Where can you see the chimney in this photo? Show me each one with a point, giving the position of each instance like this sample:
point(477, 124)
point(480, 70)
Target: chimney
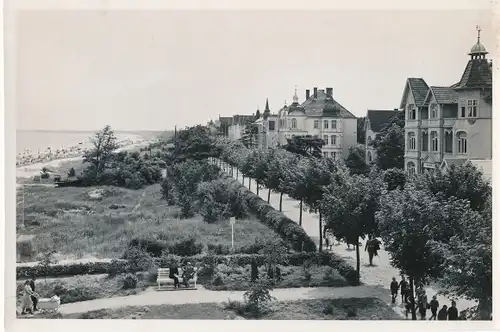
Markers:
point(329, 92)
point(308, 94)
point(315, 93)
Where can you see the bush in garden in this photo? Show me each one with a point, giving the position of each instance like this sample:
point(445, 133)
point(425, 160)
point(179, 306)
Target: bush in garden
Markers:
point(218, 279)
point(45, 175)
point(219, 249)
point(71, 172)
point(153, 247)
point(258, 297)
point(130, 281)
point(138, 259)
point(187, 247)
point(76, 293)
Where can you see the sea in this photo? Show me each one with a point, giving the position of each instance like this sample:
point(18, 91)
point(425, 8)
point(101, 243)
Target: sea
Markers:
point(39, 140)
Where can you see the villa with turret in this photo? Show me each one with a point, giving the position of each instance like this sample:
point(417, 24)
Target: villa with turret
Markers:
point(449, 125)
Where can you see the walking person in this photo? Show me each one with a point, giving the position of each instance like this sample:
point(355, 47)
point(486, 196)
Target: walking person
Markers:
point(422, 303)
point(443, 313)
point(33, 298)
point(434, 304)
point(26, 302)
point(372, 246)
point(405, 289)
point(394, 289)
point(453, 311)
point(408, 306)
point(327, 242)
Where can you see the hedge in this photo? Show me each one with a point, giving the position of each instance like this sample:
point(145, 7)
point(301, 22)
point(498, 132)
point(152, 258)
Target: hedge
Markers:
point(121, 266)
point(289, 230)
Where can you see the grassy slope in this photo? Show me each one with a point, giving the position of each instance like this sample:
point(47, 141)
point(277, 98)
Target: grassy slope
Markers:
point(75, 225)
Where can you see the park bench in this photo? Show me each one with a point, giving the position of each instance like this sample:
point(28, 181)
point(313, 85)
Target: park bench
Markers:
point(163, 278)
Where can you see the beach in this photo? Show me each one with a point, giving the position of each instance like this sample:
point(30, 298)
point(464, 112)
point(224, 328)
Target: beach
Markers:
point(30, 163)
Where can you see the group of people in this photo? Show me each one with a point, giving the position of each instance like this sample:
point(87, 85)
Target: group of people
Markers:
point(421, 302)
point(188, 272)
point(372, 244)
point(30, 298)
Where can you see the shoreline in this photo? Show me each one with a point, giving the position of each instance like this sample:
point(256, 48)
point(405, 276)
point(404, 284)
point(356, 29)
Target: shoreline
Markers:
point(27, 171)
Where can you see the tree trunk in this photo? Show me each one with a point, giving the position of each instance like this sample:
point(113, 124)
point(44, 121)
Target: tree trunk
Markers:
point(268, 196)
point(231, 170)
point(320, 234)
point(237, 172)
point(412, 299)
point(300, 213)
point(243, 180)
point(249, 183)
point(357, 259)
point(257, 188)
point(281, 201)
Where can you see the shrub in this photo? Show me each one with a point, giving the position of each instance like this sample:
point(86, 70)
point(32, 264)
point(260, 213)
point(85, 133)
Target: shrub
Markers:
point(328, 309)
point(258, 297)
point(71, 172)
point(219, 249)
point(130, 281)
point(77, 293)
point(138, 259)
point(152, 247)
point(218, 279)
point(45, 175)
point(187, 247)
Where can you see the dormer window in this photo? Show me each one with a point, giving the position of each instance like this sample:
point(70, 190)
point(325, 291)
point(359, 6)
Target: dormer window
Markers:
point(433, 110)
point(472, 108)
point(412, 113)
point(294, 123)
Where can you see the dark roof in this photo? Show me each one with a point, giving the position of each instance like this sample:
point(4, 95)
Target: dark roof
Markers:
point(419, 89)
point(442, 94)
point(314, 107)
point(378, 118)
point(295, 107)
point(477, 74)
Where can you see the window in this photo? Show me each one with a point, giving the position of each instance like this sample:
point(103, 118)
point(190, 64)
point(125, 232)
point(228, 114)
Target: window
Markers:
point(271, 126)
point(369, 139)
point(412, 144)
point(472, 108)
point(462, 110)
point(334, 155)
point(434, 111)
point(370, 158)
point(316, 124)
point(412, 113)
point(462, 142)
point(411, 168)
point(325, 154)
point(325, 124)
point(334, 124)
point(334, 139)
point(434, 141)
point(425, 141)
point(448, 141)
point(294, 123)
point(325, 138)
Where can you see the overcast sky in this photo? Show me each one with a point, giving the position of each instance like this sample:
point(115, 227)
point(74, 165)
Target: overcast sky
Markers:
point(151, 70)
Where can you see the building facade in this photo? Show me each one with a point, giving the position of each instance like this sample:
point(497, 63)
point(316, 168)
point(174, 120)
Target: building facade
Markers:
point(449, 124)
point(320, 115)
point(374, 122)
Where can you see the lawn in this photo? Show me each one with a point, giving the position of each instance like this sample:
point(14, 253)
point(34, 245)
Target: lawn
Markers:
point(317, 309)
point(69, 221)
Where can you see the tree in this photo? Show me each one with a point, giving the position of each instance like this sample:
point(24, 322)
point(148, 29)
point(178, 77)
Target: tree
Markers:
point(390, 143)
point(249, 137)
point(356, 161)
point(297, 182)
point(275, 252)
point(464, 181)
point(260, 167)
point(361, 133)
point(104, 144)
point(191, 143)
point(410, 220)
point(349, 204)
point(395, 178)
point(467, 265)
point(306, 146)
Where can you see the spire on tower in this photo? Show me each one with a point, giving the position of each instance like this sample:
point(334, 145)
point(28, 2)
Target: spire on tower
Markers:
point(267, 106)
point(478, 28)
point(295, 97)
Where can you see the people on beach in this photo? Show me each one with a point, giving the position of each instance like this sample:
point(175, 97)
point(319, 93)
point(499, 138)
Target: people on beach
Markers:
point(443, 313)
point(405, 288)
point(394, 289)
point(434, 306)
point(453, 311)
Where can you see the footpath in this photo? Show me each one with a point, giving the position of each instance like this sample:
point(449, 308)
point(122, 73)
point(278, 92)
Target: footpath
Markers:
point(153, 297)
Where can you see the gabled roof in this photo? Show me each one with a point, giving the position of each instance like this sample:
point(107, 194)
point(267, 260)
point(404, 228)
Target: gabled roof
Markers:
point(314, 107)
point(477, 74)
point(379, 118)
point(442, 94)
point(418, 88)
point(447, 162)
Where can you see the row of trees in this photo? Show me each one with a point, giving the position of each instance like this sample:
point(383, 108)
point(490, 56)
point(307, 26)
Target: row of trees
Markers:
point(435, 227)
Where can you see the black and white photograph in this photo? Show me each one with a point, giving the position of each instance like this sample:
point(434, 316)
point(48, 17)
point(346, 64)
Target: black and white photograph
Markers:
point(250, 164)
